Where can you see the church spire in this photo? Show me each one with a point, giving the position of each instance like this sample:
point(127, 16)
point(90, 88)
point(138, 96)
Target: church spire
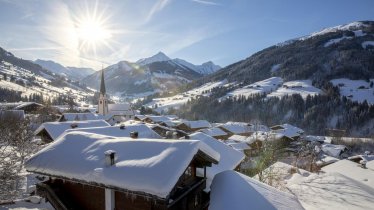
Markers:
point(102, 85)
point(103, 102)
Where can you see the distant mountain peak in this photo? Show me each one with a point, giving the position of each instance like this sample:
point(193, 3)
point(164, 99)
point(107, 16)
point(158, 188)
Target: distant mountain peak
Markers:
point(159, 57)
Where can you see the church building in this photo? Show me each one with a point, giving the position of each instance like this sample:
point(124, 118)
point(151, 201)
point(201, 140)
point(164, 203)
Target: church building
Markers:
point(113, 113)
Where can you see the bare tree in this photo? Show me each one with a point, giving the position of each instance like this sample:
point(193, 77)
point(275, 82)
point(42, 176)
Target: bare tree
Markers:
point(15, 145)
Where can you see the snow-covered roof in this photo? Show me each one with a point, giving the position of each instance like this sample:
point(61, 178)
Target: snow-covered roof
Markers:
point(287, 130)
point(353, 171)
point(121, 131)
point(25, 104)
point(157, 119)
point(213, 132)
point(237, 127)
point(311, 138)
point(197, 124)
point(140, 116)
point(331, 191)
point(241, 146)
point(370, 165)
point(263, 136)
point(333, 150)
point(325, 160)
point(151, 166)
point(233, 190)
point(237, 138)
point(55, 129)
point(80, 116)
point(230, 158)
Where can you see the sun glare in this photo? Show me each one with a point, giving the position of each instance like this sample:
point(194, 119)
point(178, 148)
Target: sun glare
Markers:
point(93, 32)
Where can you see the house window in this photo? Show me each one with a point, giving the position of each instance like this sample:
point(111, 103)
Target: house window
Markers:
point(101, 102)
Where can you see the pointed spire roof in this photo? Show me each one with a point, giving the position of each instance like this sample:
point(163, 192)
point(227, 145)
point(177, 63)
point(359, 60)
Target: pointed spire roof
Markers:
point(102, 85)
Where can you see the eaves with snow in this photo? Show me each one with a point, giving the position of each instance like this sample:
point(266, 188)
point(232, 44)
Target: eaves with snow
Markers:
point(143, 165)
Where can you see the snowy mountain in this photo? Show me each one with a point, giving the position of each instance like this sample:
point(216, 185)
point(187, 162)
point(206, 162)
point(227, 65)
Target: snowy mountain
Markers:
point(159, 57)
point(204, 69)
point(70, 72)
point(157, 73)
point(318, 82)
point(336, 52)
point(30, 79)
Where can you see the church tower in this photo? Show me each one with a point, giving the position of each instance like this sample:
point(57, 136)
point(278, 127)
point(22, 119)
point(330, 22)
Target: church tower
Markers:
point(103, 102)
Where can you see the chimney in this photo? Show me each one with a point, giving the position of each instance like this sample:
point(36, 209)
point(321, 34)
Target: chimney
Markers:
point(363, 163)
point(134, 134)
point(110, 157)
point(74, 125)
point(122, 127)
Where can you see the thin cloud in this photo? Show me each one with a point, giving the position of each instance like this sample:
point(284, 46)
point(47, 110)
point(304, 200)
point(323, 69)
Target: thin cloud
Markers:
point(34, 49)
point(207, 2)
point(157, 7)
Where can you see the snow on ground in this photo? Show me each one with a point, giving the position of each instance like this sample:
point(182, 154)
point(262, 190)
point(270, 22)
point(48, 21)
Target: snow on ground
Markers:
point(331, 191)
point(352, 170)
point(279, 172)
point(264, 86)
point(367, 43)
point(346, 27)
point(302, 87)
point(355, 90)
point(26, 205)
point(233, 190)
point(152, 166)
point(160, 104)
point(335, 41)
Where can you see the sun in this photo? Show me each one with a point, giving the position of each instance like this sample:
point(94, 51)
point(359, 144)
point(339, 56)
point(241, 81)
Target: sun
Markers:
point(92, 32)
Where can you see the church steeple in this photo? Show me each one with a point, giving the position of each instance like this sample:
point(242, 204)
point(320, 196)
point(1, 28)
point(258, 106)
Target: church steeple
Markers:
point(103, 102)
point(102, 85)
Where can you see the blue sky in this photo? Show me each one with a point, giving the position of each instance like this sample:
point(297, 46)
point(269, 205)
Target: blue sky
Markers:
point(223, 31)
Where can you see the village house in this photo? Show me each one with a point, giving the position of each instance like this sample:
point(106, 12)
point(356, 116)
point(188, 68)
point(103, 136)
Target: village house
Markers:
point(103, 172)
point(241, 128)
point(167, 132)
point(288, 131)
point(50, 131)
point(27, 107)
point(155, 119)
point(215, 133)
point(192, 126)
point(78, 117)
point(123, 130)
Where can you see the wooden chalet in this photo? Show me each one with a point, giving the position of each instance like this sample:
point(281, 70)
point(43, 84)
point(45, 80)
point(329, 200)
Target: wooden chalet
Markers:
point(124, 173)
point(192, 126)
point(50, 131)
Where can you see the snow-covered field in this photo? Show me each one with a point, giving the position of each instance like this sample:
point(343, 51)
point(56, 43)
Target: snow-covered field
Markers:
point(355, 90)
point(367, 43)
point(176, 101)
point(264, 86)
point(275, 87)
point(302, 87)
